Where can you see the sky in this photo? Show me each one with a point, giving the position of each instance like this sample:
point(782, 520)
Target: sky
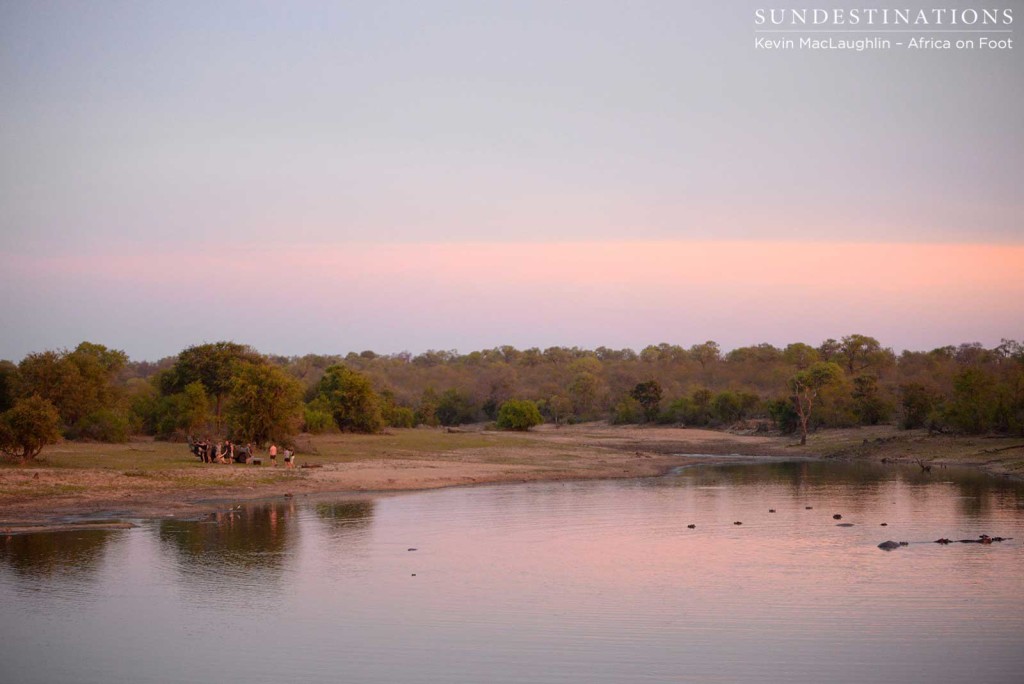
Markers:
point(326, 177)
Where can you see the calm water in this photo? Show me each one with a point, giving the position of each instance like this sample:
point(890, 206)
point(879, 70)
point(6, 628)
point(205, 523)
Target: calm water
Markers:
point(580, 582)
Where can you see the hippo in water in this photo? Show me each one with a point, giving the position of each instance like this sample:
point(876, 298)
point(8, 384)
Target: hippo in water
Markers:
point(889, 545)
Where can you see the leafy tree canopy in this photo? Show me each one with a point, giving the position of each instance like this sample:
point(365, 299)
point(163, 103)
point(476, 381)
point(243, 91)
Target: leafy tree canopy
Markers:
point(29, 426)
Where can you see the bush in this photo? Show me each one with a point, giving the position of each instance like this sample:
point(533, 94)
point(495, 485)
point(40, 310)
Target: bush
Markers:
point(628, 410)
point(400, 417)
point(104, 425)
point(516, 414)
point(28, 426)
point(455, 408)
point(316, 422)
point(354, 405)
point(784, 415)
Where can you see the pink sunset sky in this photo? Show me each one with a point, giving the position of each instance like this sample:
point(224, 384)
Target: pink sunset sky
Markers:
point(295, 300)
point(326, 177)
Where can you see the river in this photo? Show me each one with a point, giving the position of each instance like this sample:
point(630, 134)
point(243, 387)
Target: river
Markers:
point(542, 582)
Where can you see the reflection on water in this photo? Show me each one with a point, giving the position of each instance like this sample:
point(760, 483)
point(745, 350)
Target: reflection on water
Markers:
point(244, 538)
point(61, 554)
point(346, 516)
point(977, 494)
point(556, 582)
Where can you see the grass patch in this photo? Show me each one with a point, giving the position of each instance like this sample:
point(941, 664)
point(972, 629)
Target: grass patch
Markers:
point(32, 489)
point(406, 444)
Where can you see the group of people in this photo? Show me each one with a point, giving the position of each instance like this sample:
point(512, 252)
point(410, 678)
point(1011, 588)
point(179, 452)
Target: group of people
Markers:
point(229, 452)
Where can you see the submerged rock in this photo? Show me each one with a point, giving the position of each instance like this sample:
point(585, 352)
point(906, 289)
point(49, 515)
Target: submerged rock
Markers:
point(844, 525)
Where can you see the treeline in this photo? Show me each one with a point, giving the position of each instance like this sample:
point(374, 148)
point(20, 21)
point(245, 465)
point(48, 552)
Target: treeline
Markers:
point(229, 389)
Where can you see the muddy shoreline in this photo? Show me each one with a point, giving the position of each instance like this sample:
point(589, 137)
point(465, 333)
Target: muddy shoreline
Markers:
point(41, 497)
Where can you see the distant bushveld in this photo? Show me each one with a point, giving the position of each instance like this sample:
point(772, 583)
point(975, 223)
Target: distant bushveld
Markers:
point(226, 389)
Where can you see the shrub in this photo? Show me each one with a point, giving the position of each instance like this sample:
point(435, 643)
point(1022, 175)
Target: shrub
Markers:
point(518, 414)
point(28, 426)
point(104, 425)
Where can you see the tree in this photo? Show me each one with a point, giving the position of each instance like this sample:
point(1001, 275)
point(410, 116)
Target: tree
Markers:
point(974, 402)
point(800, 355)
point(80, 384)
point(917, 401)
point(805, 387)
point(455, 408)
point(706, 353)
point(354, 404)
point(27, 427)
point(648, 395)
point(265, 404)
point(558, 407)
point(193, 408)
point(586, 392)
point(518, 414)
point(860, 351)
point(213, 365)
point(868, 402)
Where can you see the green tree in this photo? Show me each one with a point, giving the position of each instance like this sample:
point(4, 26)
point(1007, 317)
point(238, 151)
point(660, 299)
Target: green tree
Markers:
point(393, 414)
point(193, 408)
point(706, 354)
point(800, 355)
point(974, 403)
point(454, 407)
point(28, 426)
point(213, 365)
point(730, 406)
point(585, 391)
point(426, 410)
point(518, 414)
point(648, 395)
point(354, 404)
point(559, 407)
point(628, 410)
point(860, 351)
point(917, 402)
point(265, 404)
point(316, 416)
point(805, 387)
point(868, 403)
point(783, 413)
point(80, 384)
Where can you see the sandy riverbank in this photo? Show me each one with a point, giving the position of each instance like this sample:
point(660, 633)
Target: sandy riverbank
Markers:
point(148, 479)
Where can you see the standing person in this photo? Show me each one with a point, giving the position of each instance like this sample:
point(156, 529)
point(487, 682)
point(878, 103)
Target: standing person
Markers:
point(289, 458)
point(273, 454)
